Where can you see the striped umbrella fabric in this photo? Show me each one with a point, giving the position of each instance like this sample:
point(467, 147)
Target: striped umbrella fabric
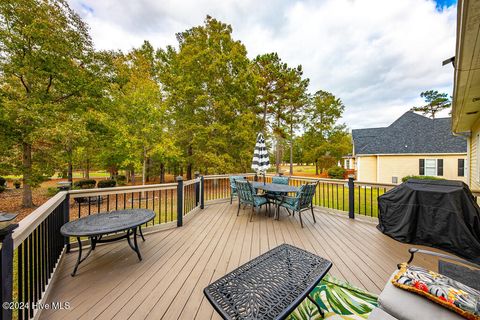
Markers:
point(261, 160)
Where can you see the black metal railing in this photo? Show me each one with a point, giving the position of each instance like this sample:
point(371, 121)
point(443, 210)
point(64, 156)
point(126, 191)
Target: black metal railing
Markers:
point(29, 256)
point(354, 197)
point(30, 253)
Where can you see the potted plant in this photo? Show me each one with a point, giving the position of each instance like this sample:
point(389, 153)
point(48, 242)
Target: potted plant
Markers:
point(17, 184)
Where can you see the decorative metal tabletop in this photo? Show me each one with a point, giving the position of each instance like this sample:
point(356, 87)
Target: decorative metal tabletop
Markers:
point(274, 187)
point(96, 226)
point(107, 222)
point(270, 286)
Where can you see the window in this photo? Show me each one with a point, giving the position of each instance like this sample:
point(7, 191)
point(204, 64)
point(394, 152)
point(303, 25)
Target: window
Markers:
point(347, 163)
point(461, 167)
point(430, 167)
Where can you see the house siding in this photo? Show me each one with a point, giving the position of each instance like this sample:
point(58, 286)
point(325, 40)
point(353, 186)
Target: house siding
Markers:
point(366, 167)
point(473, 168)
point(382, 168)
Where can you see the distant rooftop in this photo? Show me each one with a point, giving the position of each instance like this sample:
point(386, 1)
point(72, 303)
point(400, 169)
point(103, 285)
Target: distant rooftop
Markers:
point(411, 133)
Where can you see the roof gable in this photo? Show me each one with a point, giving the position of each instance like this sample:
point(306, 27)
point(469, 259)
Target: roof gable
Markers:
point(411, 133)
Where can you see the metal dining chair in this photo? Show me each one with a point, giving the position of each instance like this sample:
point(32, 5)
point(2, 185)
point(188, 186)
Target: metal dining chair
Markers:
point(302, 201)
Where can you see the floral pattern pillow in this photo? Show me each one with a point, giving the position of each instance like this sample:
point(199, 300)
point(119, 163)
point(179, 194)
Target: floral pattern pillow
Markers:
point(440, 289)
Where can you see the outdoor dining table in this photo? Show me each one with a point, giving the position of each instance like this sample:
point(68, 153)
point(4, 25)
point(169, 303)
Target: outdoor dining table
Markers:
point(270, 286)
point(275, 187)
point(96, 226)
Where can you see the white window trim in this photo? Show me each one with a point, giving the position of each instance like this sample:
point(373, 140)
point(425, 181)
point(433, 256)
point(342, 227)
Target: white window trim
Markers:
point(478, 157)
point(435, 167)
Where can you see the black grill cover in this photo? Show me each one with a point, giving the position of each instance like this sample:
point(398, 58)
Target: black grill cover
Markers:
point(438, 213)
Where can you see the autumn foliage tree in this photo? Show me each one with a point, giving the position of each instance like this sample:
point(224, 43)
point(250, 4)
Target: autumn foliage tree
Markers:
point(45, 60)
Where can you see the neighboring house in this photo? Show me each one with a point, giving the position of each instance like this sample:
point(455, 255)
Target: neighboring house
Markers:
point(348, 162)
point(412, 145)
point(466, 87)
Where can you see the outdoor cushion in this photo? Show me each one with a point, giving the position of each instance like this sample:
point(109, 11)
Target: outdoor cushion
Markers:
point(440, 289)
point(232, 181)
point(407, 305)
point(379, 314)
point(280, 180)
point(259, 201)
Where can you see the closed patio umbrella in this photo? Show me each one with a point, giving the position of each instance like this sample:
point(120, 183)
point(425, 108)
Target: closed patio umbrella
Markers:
point(261, 160)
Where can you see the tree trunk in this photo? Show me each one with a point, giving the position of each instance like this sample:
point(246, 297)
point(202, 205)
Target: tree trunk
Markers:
point(291, 149)
point(132, 178)
point(265, 109)
point(144, 168)
point(277, 155)
point(316, 167)
point(190, 166)
point(149, 168)
point(87, 169)
point(162, 172)
point(70, 171)
point(27, 201)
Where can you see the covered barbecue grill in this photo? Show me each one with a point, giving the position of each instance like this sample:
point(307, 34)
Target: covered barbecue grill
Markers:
point(437, 213)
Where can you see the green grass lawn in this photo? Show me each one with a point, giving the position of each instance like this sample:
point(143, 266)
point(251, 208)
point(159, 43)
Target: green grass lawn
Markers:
point(76, 175)
point(336, 197)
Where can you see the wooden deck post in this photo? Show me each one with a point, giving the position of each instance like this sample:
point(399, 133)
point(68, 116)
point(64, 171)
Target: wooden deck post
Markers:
point(197, 189)
point(66, 218)
point(351, 198)
point(202, 193)
point(180, 201)
point(6, 270)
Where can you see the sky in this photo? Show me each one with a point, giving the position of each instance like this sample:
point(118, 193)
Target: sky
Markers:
point(377, 56)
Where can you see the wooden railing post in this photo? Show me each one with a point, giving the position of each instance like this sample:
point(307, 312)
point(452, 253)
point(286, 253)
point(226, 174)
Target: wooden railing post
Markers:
point(351, 198)
point(197, 189)
point(66, 217)
point(202, 192)
point(6, 270)
point(179, 201)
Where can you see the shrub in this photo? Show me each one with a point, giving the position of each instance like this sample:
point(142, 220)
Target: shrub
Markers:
point(3, 182)
point(106, 183)
point(336, 172)
point(121, 180)
point(17, 184)
point(2, 188)
point(51, 191)
point(404, 179)
point(85, 184)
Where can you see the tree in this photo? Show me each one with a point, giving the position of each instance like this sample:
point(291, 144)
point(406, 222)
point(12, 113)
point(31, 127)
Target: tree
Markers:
point(139, 103)
point(45, 61)
point(281, 96)
point(436, 102)
point(322, 131)
point(208, 89)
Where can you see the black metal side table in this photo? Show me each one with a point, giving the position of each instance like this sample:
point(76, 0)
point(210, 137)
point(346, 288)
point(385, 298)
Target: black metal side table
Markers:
point(270, 286)
point(96, 226)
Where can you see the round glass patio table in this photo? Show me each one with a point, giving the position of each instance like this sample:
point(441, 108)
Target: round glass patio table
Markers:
point(98, 225)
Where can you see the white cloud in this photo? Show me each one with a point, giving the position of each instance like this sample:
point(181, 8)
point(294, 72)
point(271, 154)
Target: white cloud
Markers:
point(376, 55)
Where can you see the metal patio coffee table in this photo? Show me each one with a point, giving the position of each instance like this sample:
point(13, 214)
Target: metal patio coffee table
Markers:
point(270, 286)
point(96, 226)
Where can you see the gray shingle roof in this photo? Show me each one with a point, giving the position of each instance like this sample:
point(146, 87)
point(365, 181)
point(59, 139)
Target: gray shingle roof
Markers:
point(411, 133)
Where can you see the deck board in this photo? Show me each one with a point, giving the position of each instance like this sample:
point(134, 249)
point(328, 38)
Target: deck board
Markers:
point(178, 263)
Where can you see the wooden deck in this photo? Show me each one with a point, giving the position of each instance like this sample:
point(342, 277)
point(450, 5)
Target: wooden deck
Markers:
point(178, 263)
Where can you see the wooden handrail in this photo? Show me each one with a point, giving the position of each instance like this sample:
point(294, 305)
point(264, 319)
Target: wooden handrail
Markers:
point(118, 190)
point(189, 182)
point(33, 220)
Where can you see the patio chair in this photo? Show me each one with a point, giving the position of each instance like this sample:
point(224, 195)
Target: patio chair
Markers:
point(233, 187)
point(302, 201)
point(277, 180)
point(247, 196)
